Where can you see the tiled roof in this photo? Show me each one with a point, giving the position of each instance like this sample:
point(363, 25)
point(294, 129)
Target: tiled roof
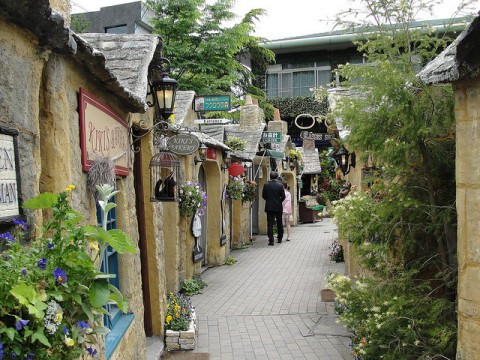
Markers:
point(458, 61)
point(311, 162)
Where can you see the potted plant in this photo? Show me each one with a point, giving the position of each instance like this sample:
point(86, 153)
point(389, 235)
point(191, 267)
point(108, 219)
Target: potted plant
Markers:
point(235, 187)
point(192, 199)
point(180, 323)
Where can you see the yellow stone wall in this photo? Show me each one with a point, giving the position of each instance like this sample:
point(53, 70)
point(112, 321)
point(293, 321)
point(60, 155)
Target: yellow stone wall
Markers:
point(467, 113)
point(40, 99)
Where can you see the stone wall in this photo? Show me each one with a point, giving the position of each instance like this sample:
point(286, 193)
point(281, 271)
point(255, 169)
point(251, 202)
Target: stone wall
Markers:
point(467, 113)
point(39, 98)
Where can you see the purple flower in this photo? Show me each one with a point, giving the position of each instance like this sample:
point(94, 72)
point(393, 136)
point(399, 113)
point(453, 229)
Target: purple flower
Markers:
point(50, 245)
point(29, 357)
point(13, 355)
point(24, 272)
point(1, 351)
point(7, 236)
point(83, 325)
point(60, 275)
point(65, 330)
point(22, 224)
point(92, 351)
point(20, 324)
point(42, 263)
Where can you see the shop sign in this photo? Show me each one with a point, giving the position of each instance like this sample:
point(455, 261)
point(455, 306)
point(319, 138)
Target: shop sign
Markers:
point(183, 144)
point(212, 103)
point(102, 134)
point(9, 207)
point(212, 121)
point(317, 136)
point(198, 253)
point(272, 136)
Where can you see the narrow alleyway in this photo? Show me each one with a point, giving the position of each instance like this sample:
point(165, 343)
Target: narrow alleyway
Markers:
point(268, 306)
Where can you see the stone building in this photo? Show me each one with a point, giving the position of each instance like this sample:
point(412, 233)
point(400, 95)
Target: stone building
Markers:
point(459, 65)
point(62, 97)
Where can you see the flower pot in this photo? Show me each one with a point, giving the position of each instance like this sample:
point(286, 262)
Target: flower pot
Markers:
point(182, 340)
point(327, 295)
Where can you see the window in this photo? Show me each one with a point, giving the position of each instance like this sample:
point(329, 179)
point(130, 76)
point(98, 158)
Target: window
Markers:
point(119, 29)
point(297, 79)
point(118, 322)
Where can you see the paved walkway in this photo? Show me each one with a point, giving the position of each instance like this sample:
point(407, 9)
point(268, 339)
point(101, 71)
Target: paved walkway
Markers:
point(268, 306)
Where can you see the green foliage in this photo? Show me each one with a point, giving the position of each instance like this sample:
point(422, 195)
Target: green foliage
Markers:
point(395, 318)
point(193, 200)
point(202, 48)
point(179, 312)
point(193, 286)
point(336, 252)
point(235, 187)
point(230, 261)
point(52, 292)
point(249, 191)
point(235, 143)
point(291, 107)
point(294, 155)
point(80, 24)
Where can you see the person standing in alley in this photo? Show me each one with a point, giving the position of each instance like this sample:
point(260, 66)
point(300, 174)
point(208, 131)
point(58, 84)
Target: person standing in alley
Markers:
point(287, 209)
point(273, 193)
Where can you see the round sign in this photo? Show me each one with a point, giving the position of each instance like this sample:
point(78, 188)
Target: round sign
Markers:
point(183, 144)
point(306, 126)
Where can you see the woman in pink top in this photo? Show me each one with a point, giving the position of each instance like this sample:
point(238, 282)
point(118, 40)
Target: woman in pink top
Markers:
point(287, 209)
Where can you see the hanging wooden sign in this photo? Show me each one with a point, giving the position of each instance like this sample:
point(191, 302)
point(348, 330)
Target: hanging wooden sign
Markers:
point(183, 144)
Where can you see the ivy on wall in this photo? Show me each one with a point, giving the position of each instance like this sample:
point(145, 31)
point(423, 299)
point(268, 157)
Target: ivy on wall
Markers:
point(291, 107)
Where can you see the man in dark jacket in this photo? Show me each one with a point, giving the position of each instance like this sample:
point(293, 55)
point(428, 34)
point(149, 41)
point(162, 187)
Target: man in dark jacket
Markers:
point(273, 194)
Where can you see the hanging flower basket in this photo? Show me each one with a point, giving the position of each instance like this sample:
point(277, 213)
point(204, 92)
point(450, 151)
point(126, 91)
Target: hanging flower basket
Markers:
point(236, 170)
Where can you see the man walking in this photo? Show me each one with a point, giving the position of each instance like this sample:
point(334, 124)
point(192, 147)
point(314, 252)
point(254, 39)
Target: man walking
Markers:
point(273, 194)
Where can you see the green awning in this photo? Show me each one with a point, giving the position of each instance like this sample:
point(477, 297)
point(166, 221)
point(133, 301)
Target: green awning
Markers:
point(271, 153)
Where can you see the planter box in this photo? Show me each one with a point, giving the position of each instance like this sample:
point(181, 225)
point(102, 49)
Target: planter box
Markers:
point(327, 295)
point(182, 340)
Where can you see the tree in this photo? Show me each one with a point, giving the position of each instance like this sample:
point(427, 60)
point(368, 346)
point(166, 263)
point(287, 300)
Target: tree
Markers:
point(80, 23)
point(403, 226)
point(204, 52)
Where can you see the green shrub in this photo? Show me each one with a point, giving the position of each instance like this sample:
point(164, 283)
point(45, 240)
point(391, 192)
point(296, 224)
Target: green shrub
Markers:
point(193, 286)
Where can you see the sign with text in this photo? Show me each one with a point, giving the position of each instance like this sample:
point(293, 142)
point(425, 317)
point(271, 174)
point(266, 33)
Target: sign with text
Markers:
point(213, 121)
point(102, 134)
point(317, 136)
point(9, 207)
point(272, 136)
point(183, 144)
point(212, 103)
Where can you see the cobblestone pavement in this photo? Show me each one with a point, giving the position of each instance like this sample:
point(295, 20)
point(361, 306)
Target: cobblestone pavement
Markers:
point(268, 306)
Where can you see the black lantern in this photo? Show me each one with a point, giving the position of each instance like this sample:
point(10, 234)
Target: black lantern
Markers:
point(202, 152)
point(162, 88)
point(342, 157)
point(227, 161)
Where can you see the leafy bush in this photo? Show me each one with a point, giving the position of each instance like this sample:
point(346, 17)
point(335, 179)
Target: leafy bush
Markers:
point(52, 291)
point(395, 318)
point(336, 252)
point(235, 143)
point(230, 261)
point(193, 286)
point(179, 312)
point(192, 199)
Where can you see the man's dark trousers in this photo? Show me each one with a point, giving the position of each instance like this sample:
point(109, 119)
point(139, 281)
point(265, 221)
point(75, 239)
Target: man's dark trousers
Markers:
point(271, 217)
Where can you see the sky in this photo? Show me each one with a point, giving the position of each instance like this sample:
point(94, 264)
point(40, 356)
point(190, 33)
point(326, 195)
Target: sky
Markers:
point(288, 18)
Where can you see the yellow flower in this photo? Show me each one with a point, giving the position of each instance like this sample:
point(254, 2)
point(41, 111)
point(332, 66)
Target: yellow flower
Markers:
point(168, 319)
point(93, 244)
point(70, 188)
point(59, 317)
point(68, 341)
